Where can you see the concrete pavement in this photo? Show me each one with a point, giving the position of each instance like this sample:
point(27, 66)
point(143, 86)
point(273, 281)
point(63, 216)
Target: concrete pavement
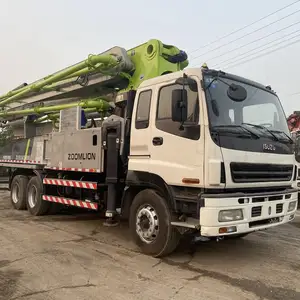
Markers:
point(70, 257)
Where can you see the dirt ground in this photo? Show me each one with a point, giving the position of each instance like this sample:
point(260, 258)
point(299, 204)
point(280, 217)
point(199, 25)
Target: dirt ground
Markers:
point(72, 256)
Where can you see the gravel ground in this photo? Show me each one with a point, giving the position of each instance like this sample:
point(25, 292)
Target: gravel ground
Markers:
point(72, 256)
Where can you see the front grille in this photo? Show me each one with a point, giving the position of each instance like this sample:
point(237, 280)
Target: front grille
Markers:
point(265, 222)
point(248, 172)
point(256, 211)
point(279, 208)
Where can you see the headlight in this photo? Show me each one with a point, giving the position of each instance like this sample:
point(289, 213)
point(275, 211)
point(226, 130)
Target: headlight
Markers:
point(292, 205)
point(230, 215)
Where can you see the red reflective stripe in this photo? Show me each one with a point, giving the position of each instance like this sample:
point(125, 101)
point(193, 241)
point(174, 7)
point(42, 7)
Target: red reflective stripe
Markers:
point(72, 202)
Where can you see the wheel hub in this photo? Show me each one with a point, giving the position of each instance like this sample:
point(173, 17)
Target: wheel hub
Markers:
point(16, 193)
point(147, 224)
point(32, 197)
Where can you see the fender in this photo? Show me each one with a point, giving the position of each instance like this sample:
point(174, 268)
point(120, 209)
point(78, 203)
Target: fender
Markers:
point(139, 180)
point(26, 172)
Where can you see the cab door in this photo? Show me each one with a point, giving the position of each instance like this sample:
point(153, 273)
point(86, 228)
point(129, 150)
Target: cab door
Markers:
point(140, 131)
point(176, 150)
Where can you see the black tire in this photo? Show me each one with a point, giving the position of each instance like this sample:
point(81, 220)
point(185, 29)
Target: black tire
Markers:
point(18, 192)
point(35, 204)
point(167, 237)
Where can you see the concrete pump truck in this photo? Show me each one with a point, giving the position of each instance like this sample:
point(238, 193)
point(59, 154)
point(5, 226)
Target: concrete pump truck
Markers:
point(135, 134)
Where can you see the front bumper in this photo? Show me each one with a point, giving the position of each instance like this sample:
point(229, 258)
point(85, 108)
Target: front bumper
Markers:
point(260, 211)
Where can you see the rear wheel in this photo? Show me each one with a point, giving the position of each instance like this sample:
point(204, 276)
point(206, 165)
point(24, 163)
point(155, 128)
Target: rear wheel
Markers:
point(35, 204)
point(150, 224)
point(18, 192)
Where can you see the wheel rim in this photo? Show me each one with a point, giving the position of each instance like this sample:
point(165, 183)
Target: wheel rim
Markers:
point(147, 224)
point(32, 196)
point(15, 193)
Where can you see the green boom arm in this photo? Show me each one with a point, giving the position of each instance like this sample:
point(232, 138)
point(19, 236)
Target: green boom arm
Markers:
point(91, 62)
point(98, 104)
point(143, 62)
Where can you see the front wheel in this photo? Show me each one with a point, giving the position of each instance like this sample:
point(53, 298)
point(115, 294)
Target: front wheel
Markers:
point(150, 224)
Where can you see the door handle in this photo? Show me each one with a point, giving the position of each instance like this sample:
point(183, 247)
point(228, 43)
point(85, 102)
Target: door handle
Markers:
point(157, 141)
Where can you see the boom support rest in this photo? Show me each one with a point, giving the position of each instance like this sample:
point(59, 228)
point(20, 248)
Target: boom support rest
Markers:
point(112, 143)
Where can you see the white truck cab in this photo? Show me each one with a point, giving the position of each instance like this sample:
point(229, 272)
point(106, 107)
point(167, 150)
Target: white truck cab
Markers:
point(201, 136)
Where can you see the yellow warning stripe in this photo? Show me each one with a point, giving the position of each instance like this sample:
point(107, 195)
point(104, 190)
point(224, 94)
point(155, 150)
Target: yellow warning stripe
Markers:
point(27, 148)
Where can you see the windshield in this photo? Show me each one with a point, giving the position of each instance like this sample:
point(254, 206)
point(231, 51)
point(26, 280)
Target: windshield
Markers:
point(260, 108)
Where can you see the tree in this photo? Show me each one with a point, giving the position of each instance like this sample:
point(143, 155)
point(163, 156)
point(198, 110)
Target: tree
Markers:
point(6, 136)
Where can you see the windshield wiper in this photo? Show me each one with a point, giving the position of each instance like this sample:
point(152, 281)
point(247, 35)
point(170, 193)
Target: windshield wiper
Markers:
point(282, 132)
point(263, 127)
point(253, 134)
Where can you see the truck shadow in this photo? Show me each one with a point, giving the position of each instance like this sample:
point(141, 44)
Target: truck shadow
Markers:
point(93, 228)
point(257, 246)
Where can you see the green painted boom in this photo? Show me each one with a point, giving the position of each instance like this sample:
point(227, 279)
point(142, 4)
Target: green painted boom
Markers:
point(96, 103)
point(143, 62)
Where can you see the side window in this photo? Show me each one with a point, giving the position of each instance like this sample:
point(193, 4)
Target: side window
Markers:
point(191, 128)
point(143, 110)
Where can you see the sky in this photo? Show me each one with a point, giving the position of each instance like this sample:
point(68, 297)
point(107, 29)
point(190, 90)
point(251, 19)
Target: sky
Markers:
point(41, 37)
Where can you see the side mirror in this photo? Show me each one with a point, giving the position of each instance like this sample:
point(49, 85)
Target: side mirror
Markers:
point(179, 105)
point(237, 92)
point(187, 81)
